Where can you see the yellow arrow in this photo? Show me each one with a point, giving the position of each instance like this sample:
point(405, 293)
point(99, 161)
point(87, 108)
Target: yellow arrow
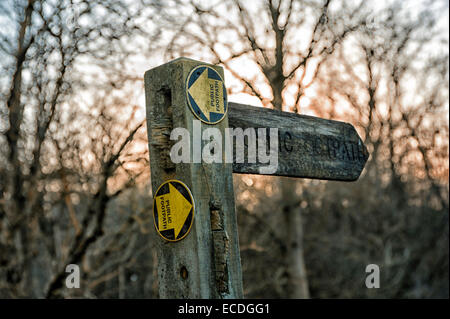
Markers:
point(208, 94)
point(173, 210)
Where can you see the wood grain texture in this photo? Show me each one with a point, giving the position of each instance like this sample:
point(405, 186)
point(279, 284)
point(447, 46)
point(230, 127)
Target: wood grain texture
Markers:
point(206, 263)
point(309, 147)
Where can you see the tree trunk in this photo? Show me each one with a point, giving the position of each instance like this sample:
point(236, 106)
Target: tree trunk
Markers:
point(297, 280)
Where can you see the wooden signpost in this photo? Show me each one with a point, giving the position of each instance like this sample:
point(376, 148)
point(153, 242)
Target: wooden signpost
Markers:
point(194, 209)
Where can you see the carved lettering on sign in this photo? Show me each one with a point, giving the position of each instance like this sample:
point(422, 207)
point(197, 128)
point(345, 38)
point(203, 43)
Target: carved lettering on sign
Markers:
point(321, 146)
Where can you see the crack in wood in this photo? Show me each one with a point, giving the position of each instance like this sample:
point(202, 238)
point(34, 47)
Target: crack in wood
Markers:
point(220, 247)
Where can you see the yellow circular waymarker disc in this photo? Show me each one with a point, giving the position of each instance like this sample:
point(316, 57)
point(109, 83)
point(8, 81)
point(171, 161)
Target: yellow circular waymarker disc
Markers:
point(206, 94)
point(173, 210)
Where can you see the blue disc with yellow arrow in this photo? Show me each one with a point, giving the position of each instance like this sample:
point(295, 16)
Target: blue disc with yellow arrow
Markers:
point(173, 210)
point(206, 94)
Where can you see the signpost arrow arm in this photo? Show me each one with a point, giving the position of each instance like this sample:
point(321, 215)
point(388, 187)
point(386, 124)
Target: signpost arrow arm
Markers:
point(308, 147)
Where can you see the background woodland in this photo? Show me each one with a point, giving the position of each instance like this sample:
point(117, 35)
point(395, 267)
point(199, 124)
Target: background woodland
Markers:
point(74, 166)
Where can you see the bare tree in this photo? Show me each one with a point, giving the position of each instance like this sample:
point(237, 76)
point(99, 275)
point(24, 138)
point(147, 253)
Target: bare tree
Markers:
point(68, 122)
point(396, 90)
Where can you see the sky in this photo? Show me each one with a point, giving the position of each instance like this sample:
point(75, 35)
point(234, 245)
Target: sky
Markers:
point(139, 62)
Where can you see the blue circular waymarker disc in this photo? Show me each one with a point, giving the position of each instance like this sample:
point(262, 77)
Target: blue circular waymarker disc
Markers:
point(206, 94)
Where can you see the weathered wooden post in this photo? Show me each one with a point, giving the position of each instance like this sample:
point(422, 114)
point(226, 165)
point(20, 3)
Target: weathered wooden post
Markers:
point(206, 262)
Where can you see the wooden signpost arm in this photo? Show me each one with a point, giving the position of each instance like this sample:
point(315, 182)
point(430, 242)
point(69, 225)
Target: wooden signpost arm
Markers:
point(206, 263)
point(308, 147)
